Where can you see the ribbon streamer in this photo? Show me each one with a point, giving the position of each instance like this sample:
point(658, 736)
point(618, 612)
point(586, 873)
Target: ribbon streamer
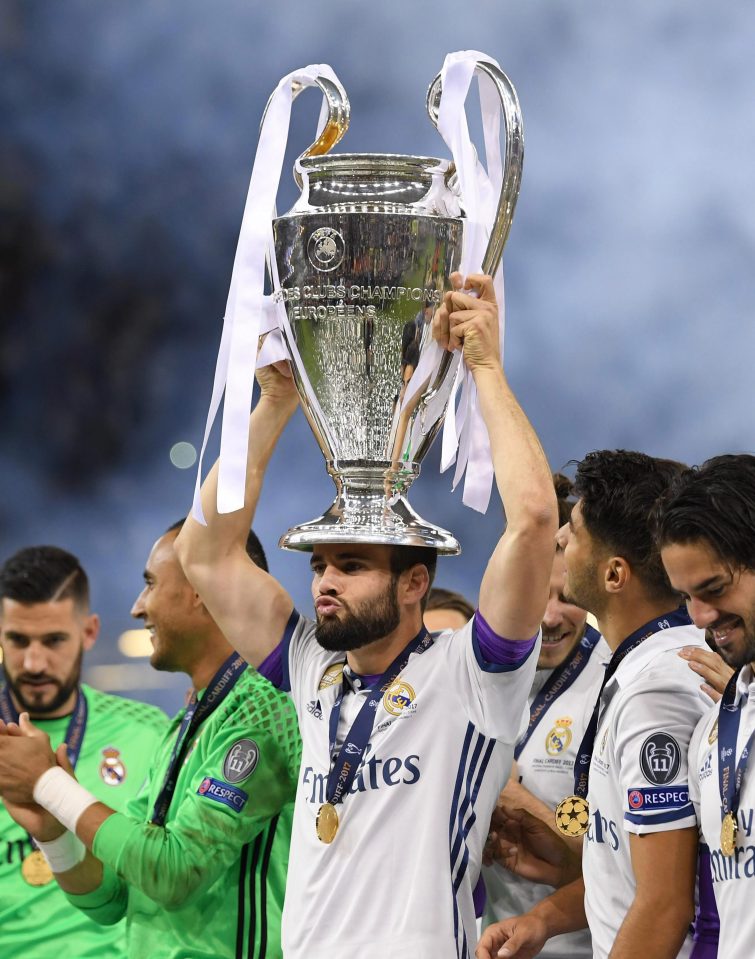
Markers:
point(465, 438)
point(249, 312)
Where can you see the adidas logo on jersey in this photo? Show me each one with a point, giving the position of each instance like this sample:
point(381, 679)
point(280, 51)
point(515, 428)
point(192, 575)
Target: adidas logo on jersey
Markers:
point(314, 708)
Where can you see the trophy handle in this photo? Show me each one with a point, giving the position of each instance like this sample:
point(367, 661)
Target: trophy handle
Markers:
point(514, 153)
point(338, 114)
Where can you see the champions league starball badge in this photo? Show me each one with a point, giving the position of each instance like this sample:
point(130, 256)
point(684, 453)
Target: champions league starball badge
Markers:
point(572, 816)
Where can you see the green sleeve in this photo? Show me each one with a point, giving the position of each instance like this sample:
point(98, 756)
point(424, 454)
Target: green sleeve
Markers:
point(107, 903)
point(202, 838)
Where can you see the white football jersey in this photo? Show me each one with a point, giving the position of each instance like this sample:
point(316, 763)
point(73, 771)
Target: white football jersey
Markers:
point(546, 769)
point(638, 773)
point(732, 876)
point(398, 878)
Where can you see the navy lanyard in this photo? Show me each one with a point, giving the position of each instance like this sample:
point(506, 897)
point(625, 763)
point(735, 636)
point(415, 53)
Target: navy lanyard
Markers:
point(678, 617)
point(345, 764)
point(561, 679)
point(729, 777)
point(75, 730)
point(196, 712)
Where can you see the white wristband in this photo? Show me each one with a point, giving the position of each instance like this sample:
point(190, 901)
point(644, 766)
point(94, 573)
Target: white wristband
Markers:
point(63, 853)
point(62, 796)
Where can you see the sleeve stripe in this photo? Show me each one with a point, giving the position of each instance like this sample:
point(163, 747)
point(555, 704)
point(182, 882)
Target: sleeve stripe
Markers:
point(263, 893)
point(652, 819)
point(241, 899)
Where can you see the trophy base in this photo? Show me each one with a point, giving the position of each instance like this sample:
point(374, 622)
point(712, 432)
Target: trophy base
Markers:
point(363, 513)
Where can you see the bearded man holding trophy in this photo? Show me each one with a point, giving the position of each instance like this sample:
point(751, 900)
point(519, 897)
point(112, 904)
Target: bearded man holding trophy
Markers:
point(408, 737)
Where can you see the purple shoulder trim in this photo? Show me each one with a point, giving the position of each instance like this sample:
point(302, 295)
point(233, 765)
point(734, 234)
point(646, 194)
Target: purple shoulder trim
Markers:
point(272, 667)
point(275, 667)
point(497, 649)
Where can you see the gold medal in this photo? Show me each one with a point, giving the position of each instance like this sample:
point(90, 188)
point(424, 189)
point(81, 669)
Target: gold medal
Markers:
point(728, 834)
point(36, 870)
point(327, 822)
point(572, 816)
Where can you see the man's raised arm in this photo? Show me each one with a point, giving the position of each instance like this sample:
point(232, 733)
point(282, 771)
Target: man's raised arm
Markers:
point(514, 589)
point(248, 604)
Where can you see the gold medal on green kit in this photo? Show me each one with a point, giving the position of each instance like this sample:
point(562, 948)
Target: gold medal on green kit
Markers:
point(327, 823)
point(572, 816)
point(728, 834)
point(36, 870)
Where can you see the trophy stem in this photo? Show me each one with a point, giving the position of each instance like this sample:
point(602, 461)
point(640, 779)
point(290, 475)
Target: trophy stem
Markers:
point(371, 508)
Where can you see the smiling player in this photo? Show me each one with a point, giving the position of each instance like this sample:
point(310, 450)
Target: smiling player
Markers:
point(706, 531)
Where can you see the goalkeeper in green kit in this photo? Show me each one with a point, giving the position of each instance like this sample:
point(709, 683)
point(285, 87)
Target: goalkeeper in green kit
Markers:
point(197, 863)
point(46, 627)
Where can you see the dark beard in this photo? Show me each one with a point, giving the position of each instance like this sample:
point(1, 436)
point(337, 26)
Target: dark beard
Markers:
point(65, 689)
point(738, 659)
point(370, 622)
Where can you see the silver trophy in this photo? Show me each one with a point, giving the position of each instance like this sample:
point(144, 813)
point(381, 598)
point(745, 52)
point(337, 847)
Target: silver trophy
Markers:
point(363, 260)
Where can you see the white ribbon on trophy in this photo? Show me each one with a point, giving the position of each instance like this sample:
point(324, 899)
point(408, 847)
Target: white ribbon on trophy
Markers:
point(249, 312)
point(465, 438)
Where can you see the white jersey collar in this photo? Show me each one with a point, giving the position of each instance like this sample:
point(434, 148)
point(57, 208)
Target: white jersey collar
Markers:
point(745, 682)
point(676, 637)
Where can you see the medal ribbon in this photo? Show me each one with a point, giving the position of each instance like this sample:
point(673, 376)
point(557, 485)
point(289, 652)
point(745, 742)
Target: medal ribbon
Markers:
point(196, 712)
point(563, 677)
point(678, 617)
point(75, 730)
point(344, 767)
point(730, 778)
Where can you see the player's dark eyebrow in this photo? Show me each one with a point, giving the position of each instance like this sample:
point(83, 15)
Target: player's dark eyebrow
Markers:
point(707, 583)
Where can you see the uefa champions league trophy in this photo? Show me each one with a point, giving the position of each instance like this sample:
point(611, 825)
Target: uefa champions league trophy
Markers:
point(363, 260)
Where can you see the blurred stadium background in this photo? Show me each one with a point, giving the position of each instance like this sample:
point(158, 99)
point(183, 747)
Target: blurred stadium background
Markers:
point(127, 133)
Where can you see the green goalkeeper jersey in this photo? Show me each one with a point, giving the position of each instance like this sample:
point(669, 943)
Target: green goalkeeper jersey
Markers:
point(36, 922)
point(210, 883)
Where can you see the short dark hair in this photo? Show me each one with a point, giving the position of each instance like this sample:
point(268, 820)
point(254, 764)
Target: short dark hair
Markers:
point(564, 497)
point(617, 491)
point(44, 574)
point(404, 557)
point(439, 598)
point(254, 549)
point(714, 502)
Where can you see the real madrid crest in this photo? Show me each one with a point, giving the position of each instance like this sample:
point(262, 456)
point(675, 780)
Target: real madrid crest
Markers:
point(397, 697)
point(112, 770)
point(559, 738)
